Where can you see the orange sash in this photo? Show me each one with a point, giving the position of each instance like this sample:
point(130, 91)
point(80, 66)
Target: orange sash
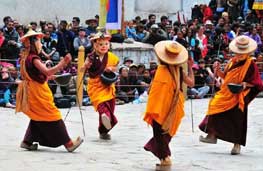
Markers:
point(97, 91)
point(225, 100)
point(160, 99)
point(35, 99)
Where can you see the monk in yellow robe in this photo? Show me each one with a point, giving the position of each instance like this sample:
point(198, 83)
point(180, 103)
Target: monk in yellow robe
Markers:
point(226, 117)
point(102, 96)
point(35, 99)
point(165, 107)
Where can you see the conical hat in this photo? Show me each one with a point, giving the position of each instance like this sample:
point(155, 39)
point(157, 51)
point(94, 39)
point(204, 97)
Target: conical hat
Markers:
point(31, 33)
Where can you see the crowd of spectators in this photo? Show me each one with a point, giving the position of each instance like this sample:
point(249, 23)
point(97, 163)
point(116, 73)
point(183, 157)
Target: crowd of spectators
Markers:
point(206, 36)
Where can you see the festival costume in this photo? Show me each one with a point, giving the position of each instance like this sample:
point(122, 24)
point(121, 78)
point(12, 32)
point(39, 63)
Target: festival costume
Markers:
point(102, 96)
point(35, 99)
point(165, 106)
point(226, 118)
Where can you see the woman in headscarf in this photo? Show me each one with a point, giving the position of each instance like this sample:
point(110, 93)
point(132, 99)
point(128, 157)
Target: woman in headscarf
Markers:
point(35, 99)
point(165, 107)
point(226, 118)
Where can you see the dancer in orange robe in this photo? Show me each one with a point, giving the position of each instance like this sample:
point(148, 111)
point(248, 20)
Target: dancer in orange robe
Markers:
point(226, 118)
point(102, 96)
point(165, 107)
point(35, 99)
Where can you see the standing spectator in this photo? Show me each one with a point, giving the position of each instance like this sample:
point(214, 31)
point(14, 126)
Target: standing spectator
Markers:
point(164, 22)
point(6, 20)
point(152, 19)
point(65, 39)
point(34, 25)
point(13, 43)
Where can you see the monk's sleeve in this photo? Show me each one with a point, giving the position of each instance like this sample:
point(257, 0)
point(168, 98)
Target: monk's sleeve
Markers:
point(253, 77)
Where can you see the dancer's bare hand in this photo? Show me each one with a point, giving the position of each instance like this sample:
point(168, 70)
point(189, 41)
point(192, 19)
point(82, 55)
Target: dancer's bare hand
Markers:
point(190, 62)
point(67, 58)
point(216, 66)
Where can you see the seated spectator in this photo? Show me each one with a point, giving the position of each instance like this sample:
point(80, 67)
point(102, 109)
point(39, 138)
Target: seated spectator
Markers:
point(180, 38)
point(92, 25)
point(20, 30)
point(127, 61)
point(52, 30)
point(153, 68)
point(5, 88)
point(201, 79)
point(130, 31)
point(141, 33)
point(144, 81)
point(156, 35)
point(82, 40)
point(125, 90)
point(3, 43)
point(49, 47)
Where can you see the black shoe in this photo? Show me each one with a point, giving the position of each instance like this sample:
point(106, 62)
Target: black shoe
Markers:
point(105, 136)
point(32, 147)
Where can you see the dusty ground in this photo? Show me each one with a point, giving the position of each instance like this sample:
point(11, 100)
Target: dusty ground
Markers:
point(125, 151)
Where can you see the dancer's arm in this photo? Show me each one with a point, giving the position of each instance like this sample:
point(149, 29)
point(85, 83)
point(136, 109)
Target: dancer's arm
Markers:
point(51, 71)
point(189, 79)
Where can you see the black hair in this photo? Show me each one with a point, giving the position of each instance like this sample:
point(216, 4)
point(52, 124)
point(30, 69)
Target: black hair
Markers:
point(164, 18)
point(76, 18)
point(151, 15)
point(6, 18)
point(33, 23)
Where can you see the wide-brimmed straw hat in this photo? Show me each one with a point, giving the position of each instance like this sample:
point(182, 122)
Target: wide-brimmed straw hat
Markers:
point(100, 35)
point(243, 45)
point(31, 33)
point(171, 52)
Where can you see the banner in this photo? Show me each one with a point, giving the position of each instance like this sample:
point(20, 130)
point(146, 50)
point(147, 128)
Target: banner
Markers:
point(110, 14)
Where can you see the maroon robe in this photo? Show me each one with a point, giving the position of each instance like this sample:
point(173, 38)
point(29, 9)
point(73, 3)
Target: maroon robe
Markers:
point(231, 125)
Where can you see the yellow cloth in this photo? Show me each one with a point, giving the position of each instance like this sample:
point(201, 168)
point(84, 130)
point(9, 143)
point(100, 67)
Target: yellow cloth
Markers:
point(225, 100)
point(97, 91)
point(160, 99)
point(257, 6)
point(35, 99)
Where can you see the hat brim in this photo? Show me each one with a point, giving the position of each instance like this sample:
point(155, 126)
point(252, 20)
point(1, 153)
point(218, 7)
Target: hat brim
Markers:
point(252, 46)
point(39, 35)
point(90, 20)
point(169, 58)
point(106, 37)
